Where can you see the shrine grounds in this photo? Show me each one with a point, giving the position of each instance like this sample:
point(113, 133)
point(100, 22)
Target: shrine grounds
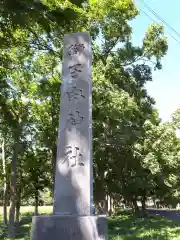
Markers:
point(126, 226)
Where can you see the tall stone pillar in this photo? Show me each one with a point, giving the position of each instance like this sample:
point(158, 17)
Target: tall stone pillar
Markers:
point(73, 195)
point(73, 181)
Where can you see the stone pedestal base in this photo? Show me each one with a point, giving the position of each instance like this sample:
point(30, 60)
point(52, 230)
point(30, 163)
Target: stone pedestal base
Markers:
point(56, 227)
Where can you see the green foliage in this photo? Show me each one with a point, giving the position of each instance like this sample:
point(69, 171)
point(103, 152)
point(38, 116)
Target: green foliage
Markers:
point(155, 43)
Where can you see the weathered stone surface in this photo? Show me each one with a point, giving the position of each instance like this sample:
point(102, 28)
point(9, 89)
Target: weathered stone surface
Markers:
point(73, 181)
point(56, 227)
point(73, 194)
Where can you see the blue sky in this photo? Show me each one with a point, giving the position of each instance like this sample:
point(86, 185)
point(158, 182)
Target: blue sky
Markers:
point(165, 87)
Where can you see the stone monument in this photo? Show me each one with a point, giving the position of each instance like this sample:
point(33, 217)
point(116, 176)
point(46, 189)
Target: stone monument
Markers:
point(72, 216)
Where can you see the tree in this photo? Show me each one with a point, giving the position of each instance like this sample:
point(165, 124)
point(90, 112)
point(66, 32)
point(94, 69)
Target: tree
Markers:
point(36, 174)
point(121, 103)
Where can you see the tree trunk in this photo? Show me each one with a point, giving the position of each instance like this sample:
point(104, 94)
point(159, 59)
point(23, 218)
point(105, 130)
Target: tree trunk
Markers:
point(5, 184)
point(18, 194)
point(101, 202)
point(5, 203)
point(135, 206)
point(154, 202)
point(36, 203)
point(17, 213)
point(53, 152)
point(143, 202)
point(54, 146)
point(110, 205)
point(18, 205)
point(11, 226)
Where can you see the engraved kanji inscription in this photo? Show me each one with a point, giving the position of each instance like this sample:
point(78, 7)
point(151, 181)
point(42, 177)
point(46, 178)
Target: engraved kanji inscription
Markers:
point(75, 118)
point(73, 156)
point(75, 49)
point(75, 69)
point(75, 94)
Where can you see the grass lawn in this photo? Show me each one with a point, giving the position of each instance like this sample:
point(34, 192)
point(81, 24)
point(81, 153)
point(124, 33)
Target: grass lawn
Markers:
point(124, 227)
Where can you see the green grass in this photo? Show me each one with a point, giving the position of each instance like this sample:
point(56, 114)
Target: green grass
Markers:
point(23, 231)
point(129, 227)
point(124, 227)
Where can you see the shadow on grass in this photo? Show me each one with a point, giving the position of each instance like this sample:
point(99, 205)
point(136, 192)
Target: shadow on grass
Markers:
point(3, 230)
point(129, 227)
point(22, 230)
